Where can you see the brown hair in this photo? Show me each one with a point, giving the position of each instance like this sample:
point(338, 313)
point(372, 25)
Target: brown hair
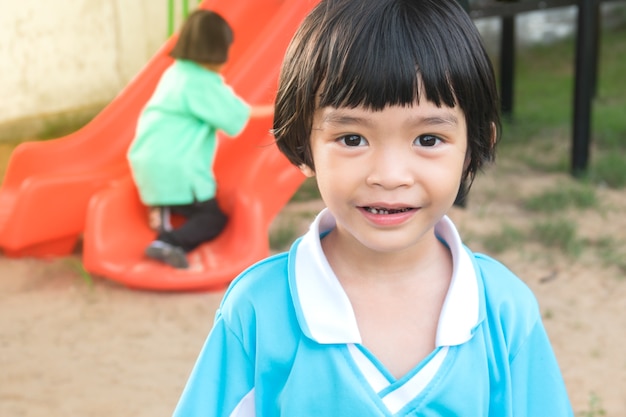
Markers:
point(204, 38)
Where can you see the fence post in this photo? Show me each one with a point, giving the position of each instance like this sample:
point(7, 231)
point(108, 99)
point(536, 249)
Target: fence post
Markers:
point(507, 65)
point(171, 11)
point(584, 88)
point(185, 8)
point(171, 14)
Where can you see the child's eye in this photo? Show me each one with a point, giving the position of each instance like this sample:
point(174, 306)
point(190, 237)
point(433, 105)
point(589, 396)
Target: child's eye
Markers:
point(427, 140)
point(353, 140)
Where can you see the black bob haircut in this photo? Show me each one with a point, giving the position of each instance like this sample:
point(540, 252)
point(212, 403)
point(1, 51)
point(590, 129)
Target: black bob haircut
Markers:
point(205, 38)
point(375, 53)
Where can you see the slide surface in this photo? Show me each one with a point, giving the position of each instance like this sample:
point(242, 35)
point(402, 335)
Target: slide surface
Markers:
point(56, 191)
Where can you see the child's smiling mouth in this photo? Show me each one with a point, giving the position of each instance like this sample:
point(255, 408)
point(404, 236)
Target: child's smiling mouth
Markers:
point(384, 211)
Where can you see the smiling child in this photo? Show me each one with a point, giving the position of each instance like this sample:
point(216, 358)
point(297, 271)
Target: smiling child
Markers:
point(380, 310)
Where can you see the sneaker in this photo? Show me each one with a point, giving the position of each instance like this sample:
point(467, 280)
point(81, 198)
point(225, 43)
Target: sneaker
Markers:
point(167, 253)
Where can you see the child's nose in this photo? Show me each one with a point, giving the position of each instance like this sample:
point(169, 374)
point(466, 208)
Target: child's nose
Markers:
point(391, 168)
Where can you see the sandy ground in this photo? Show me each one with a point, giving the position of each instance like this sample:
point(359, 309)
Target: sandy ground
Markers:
point(74, 347)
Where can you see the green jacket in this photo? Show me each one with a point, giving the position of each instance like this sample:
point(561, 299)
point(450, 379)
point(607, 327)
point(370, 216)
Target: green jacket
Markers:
point(172, 154)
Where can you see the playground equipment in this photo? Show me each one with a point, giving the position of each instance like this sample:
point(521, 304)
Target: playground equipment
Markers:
point(57, 191)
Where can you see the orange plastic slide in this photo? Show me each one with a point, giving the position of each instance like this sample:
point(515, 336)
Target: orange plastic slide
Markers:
point(56, 191)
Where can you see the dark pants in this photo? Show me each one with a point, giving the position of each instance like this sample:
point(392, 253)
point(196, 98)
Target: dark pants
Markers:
point(204, 220)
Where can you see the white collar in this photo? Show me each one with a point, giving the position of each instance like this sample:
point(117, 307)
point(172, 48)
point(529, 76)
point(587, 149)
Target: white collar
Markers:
point(326, 314)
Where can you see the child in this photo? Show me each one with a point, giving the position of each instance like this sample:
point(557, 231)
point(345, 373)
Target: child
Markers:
point(379, 309)
point(172, 154)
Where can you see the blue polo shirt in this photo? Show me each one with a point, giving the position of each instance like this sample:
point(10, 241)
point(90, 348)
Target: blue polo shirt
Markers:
point(286, 342)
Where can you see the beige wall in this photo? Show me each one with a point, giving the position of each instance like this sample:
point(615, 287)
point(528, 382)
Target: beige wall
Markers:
point(67, 56)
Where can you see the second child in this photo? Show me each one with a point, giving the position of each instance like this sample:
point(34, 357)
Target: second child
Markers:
point(172, 154)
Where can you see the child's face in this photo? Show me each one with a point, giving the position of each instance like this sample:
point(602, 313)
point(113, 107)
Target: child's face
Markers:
point(388, 176)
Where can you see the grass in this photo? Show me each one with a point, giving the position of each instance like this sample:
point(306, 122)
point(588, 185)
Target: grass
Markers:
point(79, 268)
point(537, 140)
point(595, 407)
point(560, 234)
point(578, 196)
point(543, 110)
point(508, 237)
point(610, 169)
point(611, 252)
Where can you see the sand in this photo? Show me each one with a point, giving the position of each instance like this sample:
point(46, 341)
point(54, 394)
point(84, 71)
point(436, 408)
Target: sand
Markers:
point(70, 346)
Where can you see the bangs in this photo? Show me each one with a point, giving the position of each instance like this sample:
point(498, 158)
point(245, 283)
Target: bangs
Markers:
point(374, 67)
point(379, 53)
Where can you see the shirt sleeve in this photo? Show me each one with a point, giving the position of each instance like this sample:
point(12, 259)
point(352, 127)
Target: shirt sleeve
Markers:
point(221, 381)
point(217, 105)
point(538, 389)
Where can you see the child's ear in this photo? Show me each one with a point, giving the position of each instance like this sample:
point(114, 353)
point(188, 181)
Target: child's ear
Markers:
point(307, 171)
point(494, 135)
